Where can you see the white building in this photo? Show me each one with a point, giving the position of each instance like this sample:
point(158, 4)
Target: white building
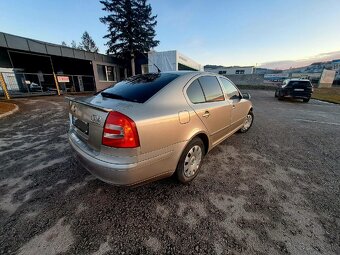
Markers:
point(230, 70)
point(171, 61)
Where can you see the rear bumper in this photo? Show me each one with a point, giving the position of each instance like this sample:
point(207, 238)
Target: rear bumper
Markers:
point(295, 94)
point(125, 174)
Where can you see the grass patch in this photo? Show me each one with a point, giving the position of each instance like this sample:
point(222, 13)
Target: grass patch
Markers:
point(327, 94)
point(6, 107)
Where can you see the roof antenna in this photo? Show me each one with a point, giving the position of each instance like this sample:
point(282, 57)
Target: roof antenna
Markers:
point(158, 70)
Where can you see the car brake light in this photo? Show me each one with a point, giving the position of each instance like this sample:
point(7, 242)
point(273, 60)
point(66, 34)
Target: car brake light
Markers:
point(120, 131)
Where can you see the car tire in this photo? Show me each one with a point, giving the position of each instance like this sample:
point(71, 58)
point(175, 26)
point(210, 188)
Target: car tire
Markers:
point(276, 94)
point(306, 100)
point(190, 161)
point(248, 122)
point(280, 98)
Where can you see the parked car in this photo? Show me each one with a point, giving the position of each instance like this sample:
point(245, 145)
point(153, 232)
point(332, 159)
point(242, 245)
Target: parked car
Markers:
point(154, 125)
point(34, 87)
point(295, 88)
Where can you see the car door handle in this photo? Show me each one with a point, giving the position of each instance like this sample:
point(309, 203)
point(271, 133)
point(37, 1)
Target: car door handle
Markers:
point(206, 114)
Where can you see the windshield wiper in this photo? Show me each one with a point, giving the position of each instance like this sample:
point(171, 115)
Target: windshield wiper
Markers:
point(114, 96)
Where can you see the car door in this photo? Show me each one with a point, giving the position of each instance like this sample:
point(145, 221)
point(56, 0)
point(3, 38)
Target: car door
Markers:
point(239, 106)
point(207, 100)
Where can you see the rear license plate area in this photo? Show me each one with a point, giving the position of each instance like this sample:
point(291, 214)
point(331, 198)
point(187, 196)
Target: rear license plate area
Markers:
point(81, 125)
point(299, 90)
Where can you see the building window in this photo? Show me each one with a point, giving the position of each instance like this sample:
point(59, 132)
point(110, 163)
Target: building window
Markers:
point(222, 72)
point(145, 68)
point(239, 72)
point(110, 73)
point(106, 73)
point(101, 72)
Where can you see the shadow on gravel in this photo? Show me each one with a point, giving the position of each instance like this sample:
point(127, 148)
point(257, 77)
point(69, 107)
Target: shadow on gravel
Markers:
point(241, 202)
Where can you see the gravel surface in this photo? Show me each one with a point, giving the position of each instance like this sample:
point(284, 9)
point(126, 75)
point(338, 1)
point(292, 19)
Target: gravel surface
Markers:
point(273, 190)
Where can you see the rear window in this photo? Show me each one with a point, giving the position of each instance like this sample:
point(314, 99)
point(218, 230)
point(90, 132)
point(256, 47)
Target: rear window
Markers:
point(139, 88)
point(300, 84)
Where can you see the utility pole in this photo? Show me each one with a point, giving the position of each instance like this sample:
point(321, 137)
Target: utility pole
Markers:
point(55, 78)
point(4, 86)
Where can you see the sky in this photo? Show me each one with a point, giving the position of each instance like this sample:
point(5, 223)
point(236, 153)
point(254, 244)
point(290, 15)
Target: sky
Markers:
point(268, 33)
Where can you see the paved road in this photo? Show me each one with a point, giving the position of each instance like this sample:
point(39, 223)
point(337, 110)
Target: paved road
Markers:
point(273, 190)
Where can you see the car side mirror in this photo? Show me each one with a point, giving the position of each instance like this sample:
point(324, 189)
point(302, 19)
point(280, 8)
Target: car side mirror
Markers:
point(246, 95)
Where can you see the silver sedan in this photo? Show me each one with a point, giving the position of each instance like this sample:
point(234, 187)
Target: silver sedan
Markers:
point(152, 126)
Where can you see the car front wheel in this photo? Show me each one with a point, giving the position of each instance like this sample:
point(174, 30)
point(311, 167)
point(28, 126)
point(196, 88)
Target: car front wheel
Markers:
point(191, 160)
point(306, 100)
point(248, 122)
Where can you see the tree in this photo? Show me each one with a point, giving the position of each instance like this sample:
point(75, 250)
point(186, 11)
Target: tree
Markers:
point(74, 44)
point(130, 28)
point(87, 43)
point(63, 43)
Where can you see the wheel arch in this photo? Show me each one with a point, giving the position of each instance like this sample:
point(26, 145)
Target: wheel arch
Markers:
point(205, 140)
point(204, 137)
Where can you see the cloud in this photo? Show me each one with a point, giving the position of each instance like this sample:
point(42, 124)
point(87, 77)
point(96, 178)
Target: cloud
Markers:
point(285, 64)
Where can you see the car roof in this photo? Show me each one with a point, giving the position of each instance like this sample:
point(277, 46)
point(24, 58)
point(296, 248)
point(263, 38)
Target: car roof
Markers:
point(194, 73)
point(191, 72)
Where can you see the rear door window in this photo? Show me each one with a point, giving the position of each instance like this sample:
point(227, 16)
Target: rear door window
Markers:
point(230, 89)
point(300, 84)
point(195, 93)
point(139, 88)
point(211, 88)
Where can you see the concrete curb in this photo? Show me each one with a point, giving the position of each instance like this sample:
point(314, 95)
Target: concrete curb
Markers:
point(325, 101)
point(16, 108)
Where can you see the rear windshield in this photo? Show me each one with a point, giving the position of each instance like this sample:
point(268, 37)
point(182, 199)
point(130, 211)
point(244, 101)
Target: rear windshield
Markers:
point(300, 84)
point(139, 88)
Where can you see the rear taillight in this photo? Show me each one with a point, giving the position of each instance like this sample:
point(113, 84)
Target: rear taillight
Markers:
point(120, 131)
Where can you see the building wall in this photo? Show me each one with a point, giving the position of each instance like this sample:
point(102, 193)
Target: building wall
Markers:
point(100, 84)
point(34, 56)
point(170, 61)
point(187, 62)
point(247, 79)
point(165, 60)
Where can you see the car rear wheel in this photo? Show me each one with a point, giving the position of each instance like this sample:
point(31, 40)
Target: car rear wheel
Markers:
point(248, 122)
point(191, 160)
point(278, 95)
point(306, 100)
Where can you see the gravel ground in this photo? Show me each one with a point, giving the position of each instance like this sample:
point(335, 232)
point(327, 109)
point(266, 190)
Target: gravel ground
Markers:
point(273, 190)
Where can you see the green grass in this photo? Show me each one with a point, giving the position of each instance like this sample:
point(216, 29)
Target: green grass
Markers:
point(327, 94)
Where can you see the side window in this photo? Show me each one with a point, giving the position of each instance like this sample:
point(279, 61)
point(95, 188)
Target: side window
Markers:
point(211, 88)
point(195, 93)
point(230, 89)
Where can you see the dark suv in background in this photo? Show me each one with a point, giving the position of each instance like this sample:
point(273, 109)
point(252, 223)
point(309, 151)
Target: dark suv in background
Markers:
point(295, 88)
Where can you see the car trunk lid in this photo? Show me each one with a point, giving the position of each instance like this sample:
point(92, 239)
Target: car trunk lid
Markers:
point(87, 121)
